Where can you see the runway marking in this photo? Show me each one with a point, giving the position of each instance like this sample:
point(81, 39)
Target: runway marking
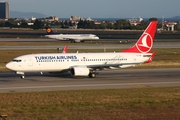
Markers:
point(89, 85)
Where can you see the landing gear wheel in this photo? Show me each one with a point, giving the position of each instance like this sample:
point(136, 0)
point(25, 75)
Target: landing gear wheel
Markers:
point(92, 75)
point(22, 76)
point(72, 41)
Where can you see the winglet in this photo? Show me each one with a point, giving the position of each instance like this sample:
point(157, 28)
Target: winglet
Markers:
point(145, 42)
point(65, 49)
point(151, 58)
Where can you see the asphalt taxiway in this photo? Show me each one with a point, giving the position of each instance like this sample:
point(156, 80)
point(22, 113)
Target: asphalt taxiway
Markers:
point(110, 44)
point(122, 78)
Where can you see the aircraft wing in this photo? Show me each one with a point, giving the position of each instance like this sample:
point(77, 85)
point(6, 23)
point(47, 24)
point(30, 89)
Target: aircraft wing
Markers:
point(110, 66)
point(100, 67)
point(90, 69)
point(73, 39)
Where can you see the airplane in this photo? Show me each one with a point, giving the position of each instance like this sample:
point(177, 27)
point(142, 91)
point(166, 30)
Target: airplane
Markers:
point(87, 64)
point(74, 38)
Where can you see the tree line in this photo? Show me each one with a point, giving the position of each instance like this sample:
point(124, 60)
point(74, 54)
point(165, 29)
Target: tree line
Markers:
point(82, 24)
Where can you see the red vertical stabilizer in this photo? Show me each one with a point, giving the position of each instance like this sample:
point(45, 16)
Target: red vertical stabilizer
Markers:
point(145, 42)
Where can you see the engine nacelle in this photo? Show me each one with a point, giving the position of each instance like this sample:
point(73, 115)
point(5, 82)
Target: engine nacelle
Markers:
point(125, 66)
point(80, 71)
point(77, 41)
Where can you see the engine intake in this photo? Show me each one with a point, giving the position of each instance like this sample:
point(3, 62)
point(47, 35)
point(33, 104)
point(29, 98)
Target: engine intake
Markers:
point(77, 41)
point(80, 71)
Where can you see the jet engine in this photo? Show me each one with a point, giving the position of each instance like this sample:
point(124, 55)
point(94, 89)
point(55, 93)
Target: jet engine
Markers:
point(77, 41)
point(80, 71)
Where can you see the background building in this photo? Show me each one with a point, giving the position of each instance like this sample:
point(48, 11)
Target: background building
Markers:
point(4, 10)
point(52, 18)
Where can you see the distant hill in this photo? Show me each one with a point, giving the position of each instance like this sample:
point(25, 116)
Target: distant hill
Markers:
point(176, 16)
point(16, 14)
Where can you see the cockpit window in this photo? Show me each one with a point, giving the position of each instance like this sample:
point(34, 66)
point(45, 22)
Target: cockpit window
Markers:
point(17, 60)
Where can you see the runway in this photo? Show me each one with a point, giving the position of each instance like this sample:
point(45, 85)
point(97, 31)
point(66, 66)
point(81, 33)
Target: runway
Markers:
point(88, 45)
point(122, 78)
point(53, 40)
point(156, 45)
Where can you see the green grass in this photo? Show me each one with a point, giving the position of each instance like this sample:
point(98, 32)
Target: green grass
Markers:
point(108, 104)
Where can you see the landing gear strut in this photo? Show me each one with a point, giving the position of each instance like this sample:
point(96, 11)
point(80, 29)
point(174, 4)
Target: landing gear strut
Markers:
point(22, 76)
point(72, 41)
point(92, 74)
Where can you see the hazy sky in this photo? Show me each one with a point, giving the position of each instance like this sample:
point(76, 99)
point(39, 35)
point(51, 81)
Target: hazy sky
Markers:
point(99, 8)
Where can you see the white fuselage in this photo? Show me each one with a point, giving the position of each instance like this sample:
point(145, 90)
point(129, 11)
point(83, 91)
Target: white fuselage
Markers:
point(73, 37)
point(56, 62)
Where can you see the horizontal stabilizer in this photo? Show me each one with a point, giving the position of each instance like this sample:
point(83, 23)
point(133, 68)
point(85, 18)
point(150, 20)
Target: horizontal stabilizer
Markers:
point(151, 58)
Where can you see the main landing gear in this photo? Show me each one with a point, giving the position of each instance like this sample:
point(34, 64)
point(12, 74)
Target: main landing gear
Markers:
point(92, 74)
point(22, 76)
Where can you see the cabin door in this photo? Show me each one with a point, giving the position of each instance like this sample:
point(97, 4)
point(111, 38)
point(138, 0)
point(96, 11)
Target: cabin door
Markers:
point(30, 61)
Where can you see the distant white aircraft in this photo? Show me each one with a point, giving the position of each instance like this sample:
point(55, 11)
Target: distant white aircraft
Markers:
point(71, 37)
point(86, 64)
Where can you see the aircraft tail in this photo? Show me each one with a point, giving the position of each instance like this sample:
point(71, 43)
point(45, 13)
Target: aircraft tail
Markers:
point(49, 30)
point(145, 42)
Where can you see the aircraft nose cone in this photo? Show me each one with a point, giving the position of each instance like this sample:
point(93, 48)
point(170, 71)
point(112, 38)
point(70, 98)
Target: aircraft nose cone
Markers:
point(9, 66)
point(97, 38)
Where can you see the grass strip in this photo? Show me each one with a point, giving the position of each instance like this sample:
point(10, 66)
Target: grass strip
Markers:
point(135, 103)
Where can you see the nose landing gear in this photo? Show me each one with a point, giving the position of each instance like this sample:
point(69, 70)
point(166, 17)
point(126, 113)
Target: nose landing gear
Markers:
point(22, 74)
